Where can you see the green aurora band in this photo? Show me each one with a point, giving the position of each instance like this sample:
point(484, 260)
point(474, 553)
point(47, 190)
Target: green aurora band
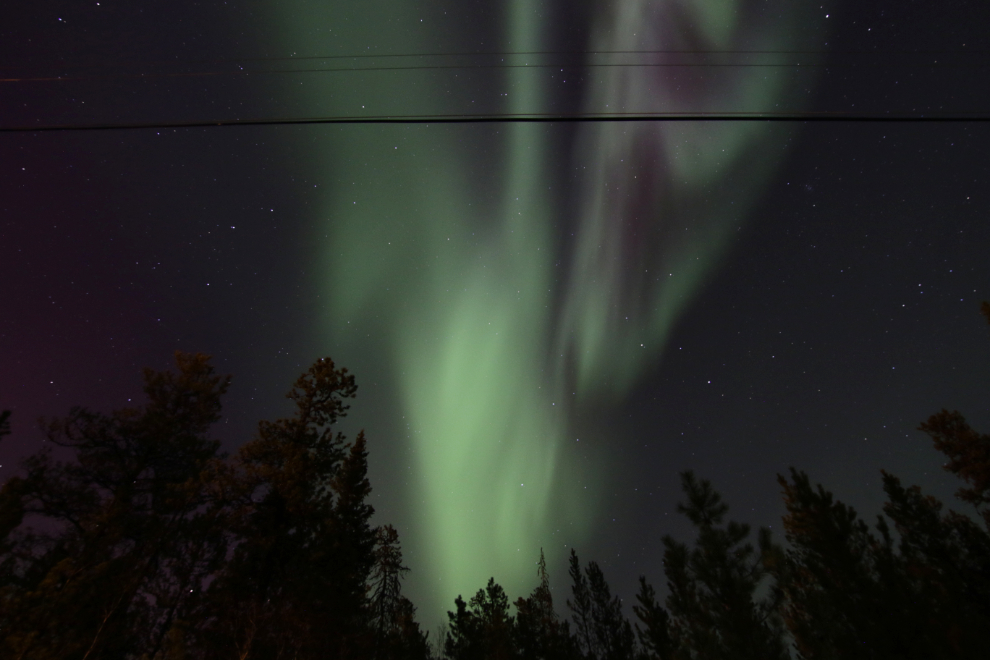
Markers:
point(445, 245)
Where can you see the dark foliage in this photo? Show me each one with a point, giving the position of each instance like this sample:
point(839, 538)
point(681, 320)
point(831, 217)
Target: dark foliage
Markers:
point(396, 633)
point(155, 545)
point(713, 603)
point(856, 592)
point(604, 632)
point(152, 545)
point(4, 423)
point(132, 519)
point(481, 629)
point(654, 636)
point(540, 634)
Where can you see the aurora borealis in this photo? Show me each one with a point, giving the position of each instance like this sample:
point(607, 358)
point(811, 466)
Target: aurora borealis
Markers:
point(538, 315)
point(462, 273)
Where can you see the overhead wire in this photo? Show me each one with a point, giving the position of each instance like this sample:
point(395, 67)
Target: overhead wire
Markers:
point(493, 118)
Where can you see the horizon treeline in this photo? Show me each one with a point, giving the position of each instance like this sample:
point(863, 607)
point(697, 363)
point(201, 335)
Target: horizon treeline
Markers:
point(149, 543)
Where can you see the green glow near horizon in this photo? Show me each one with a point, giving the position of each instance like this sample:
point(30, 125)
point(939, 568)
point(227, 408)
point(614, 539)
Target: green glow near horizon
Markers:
point(451, 260)
point(474, 381)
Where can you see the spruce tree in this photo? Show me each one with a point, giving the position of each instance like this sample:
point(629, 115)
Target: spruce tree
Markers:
point(604, 633)
point(713, 603)
point(581, 608)
point(396, 633)
point(853, 592)
point(842, 582)
point(654, 637)
point(540, 634)
point(302, 543)
point(481, 629)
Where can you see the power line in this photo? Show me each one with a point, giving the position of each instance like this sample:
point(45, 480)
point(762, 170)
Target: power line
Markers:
point(516, 119)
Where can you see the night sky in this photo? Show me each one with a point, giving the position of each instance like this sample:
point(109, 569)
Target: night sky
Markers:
point(547, 322)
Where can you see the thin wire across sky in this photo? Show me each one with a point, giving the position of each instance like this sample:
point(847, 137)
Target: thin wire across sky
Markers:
point(58, 73)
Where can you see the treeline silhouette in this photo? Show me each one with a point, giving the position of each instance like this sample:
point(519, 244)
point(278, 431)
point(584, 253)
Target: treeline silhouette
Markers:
point(149, 543)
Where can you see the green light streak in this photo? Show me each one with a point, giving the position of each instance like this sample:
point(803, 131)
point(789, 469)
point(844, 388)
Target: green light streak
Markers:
point(449, 262)
point(474, 380)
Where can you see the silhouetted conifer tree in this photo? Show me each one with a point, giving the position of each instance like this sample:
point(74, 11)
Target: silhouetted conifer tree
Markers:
point(844, 598)
point(295, 584)
point(581, 608)
point(540, 633)
point(853, 593)
point(4, 423)
point(406, 641)
point(713, 587)
point(396, 633)
point(604, 632)
point(157, 547)
point(969, 457)
point(386, 580)
point(481, 629)
point(947, 558)
point(654, 637)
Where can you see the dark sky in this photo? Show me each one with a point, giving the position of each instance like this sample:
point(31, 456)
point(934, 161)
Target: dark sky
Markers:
point(843, 312)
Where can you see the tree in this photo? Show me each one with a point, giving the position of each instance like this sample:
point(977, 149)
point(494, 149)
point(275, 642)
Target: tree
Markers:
point(11, 510)
point(539, 632)
point(845, 591)
point(654, 637)
point(396, 633)
point(299, 528)
point(713, 603)
point(968, 453)
point(154, 545)
point(481, 629)
point(127, 526)
point(946, 557)
point(4, 423)
point(581, 608)
point(853, 592)
point(386, 580)
point(604, 632)
point(406, 641)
